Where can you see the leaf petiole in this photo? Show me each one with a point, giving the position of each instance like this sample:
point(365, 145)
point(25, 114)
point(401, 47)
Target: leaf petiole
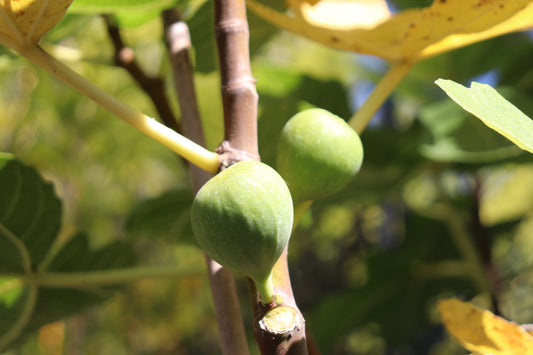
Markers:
point(196, 154)
point(381, 92)
point(104, 277)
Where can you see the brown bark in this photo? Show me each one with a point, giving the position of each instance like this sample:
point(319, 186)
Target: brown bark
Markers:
point(223, 290)
point(239, 97)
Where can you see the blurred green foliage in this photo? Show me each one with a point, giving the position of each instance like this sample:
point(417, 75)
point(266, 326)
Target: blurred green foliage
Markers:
point(367, 264)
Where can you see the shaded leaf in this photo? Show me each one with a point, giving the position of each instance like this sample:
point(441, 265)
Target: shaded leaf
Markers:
point(76, 255)
point(459, 139)
point(166, 216)
point(393, 293)
point(495, 111)
point(483, 332)
point(30, 214)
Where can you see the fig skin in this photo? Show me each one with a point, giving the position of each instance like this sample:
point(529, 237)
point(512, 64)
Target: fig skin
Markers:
point(242, 218)
point(318, 154)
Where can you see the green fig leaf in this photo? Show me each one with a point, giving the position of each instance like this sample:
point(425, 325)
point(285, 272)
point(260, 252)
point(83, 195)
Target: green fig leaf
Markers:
point(494, 110)
point(30, 216)
point(163, 217)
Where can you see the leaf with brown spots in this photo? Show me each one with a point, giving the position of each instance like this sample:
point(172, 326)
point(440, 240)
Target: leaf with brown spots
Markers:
point(25, 22)
point(413, 34)
point(483, 332)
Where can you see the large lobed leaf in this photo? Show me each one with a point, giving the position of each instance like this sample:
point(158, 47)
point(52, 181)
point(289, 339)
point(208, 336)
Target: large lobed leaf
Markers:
point(30, 216)
point(412, 34)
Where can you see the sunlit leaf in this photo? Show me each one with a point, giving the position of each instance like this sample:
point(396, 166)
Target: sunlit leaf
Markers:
point(343, 14)
point(508, 195)
point(495, 111)
point(483, 332)
point(415, 34)
point(25, 22)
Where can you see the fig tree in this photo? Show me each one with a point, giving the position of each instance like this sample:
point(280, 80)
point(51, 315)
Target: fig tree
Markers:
point(242, 218)
point(318, 154)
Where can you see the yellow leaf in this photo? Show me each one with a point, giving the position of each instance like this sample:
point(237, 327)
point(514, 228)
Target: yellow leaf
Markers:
point(415, 34)
point(25, 22)
point(521, 21)
point(345, 13)
point(296, 3)
point(481, 331)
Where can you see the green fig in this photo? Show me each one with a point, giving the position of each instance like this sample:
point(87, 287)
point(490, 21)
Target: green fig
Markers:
point(318, 154)
point(242, 218)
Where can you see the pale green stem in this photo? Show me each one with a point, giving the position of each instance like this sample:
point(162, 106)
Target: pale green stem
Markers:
point(265, 289)
point(23, 319)
point(381, 92)
point(23, 251)
point(27, 311)
point(104, 277)
point(189, 150)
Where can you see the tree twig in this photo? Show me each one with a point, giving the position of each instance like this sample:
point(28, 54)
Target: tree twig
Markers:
point(228, 314)
point(278, 328)
point(239, 95)
point(152, 86)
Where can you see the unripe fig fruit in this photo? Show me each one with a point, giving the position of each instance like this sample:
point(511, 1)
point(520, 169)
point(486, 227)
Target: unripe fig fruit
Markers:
point(242, 218)
point(318, 154)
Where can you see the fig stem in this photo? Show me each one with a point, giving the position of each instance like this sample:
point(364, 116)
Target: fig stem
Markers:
point(381, 92)
point(265, 289)
point(183, 146)
point(24, 318)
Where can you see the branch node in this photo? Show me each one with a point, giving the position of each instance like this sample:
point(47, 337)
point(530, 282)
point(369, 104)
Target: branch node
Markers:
point(230, 155)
